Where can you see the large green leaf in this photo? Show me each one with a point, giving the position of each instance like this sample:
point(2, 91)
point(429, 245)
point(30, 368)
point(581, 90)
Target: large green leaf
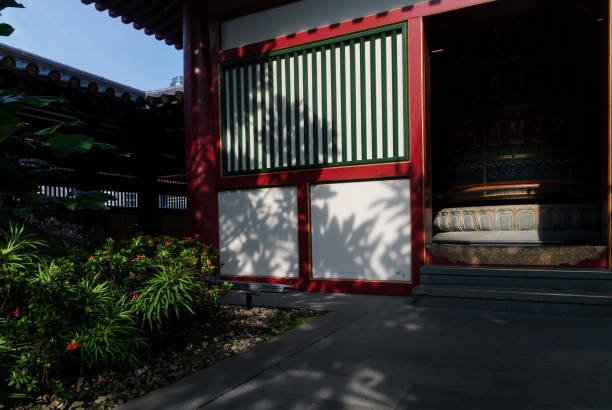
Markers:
point(10, 3)
point(101, 145)
point(91, 200)
point(55, 128)
point(6, 29)
point(11, 96)
point(61, 145)
point(7, 130)
point(8, 122)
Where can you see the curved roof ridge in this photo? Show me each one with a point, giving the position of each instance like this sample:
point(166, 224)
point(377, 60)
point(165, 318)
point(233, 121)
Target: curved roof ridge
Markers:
point(47, 64)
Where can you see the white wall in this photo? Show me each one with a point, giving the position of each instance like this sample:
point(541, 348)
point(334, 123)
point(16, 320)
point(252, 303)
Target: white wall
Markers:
point(300, 16)
point(258, 233)
point(361, 230)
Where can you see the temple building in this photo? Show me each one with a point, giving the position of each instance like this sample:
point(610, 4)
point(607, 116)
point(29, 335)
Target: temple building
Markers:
point(398, 147)
point(145, 174)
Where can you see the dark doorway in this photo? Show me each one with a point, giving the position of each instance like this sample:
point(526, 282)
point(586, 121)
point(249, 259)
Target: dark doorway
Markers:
point(519, 122)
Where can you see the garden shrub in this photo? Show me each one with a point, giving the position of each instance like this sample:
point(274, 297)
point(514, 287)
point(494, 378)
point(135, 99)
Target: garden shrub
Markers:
point(64, 316)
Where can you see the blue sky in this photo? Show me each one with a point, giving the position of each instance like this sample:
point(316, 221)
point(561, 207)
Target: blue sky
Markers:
point(80, 36)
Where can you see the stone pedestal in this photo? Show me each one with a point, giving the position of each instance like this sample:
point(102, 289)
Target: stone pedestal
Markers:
point(525, 224)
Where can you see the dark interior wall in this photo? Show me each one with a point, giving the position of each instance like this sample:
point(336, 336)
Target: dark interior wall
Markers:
point(518, 97)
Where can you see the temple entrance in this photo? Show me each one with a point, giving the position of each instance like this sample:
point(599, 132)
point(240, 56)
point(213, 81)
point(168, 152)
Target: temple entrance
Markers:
point(519, 131)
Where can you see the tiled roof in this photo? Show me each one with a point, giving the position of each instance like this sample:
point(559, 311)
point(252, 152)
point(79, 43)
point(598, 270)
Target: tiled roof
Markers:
point(36, 66)
point(167, 91)
point(22, 60)
point(164, 18)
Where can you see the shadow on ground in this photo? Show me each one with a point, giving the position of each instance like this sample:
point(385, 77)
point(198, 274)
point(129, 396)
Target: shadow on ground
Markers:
point(381, 352)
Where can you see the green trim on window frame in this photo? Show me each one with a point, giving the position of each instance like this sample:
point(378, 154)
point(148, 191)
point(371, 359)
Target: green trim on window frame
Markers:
point(310, 96)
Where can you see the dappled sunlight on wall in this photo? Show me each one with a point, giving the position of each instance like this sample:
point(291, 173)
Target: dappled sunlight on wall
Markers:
point(258, 232)
point(361, 230)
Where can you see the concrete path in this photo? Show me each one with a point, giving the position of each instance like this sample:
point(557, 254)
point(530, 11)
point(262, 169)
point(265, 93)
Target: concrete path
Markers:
point(375, 352)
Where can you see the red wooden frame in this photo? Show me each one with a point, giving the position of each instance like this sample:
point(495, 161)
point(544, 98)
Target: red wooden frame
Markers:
point(608, 188)
point(201, 44)
point(334, 286)
point(414, 168)
point(417, 168)
point(425, 8)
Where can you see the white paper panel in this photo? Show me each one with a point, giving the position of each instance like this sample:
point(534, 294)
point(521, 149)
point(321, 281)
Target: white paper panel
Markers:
point(258, 232)
point(361, 230)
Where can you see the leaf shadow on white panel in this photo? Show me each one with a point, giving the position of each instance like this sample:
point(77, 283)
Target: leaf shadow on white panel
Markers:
point(258, 232)
point(363, 234)
point(396, 208)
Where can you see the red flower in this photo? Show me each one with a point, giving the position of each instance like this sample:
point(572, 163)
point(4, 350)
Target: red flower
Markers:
point(72, 345)
point(15, 312)
point(136, 295)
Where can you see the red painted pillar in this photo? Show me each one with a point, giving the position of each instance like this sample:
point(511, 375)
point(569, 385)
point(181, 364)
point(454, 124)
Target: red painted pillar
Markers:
point(303, 203)
point(417, 144)
point(201, 45)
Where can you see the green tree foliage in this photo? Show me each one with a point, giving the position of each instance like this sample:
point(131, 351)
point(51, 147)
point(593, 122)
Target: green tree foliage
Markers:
point(26, 156)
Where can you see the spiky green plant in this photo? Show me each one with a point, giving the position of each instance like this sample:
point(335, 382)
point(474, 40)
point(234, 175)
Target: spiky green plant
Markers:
point(171, 292)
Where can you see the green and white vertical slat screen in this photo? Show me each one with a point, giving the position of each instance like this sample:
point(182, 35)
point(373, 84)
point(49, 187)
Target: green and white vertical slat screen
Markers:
point(341, 101)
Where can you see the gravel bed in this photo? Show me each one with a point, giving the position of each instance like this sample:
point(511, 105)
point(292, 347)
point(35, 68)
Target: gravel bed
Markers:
point(229, 331)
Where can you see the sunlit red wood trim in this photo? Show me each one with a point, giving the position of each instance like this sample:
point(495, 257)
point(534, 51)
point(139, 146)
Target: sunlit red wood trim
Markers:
point(303, 205)
point(381, 19)
point(417, 140)
point(427, 180)
point(346, 173)
point(608, 188)
point(336, 286)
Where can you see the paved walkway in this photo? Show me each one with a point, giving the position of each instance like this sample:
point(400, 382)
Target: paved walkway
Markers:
point(381, 352)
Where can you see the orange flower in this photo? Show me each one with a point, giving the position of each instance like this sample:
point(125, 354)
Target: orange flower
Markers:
point(92, 257)
point(108, 256)
point(72, 345)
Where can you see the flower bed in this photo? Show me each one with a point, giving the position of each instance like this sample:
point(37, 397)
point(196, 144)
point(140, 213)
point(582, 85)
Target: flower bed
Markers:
point(230, 330)
point(102, 312)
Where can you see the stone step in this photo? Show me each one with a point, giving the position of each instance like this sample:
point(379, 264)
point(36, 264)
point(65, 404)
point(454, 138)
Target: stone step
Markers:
point(555, 279)
point(555, 291)
point(538, 301)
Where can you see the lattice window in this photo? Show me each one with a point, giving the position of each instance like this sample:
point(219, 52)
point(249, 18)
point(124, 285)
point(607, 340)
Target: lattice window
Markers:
point(341, 101)
point(172, 201)
point(122, 199)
